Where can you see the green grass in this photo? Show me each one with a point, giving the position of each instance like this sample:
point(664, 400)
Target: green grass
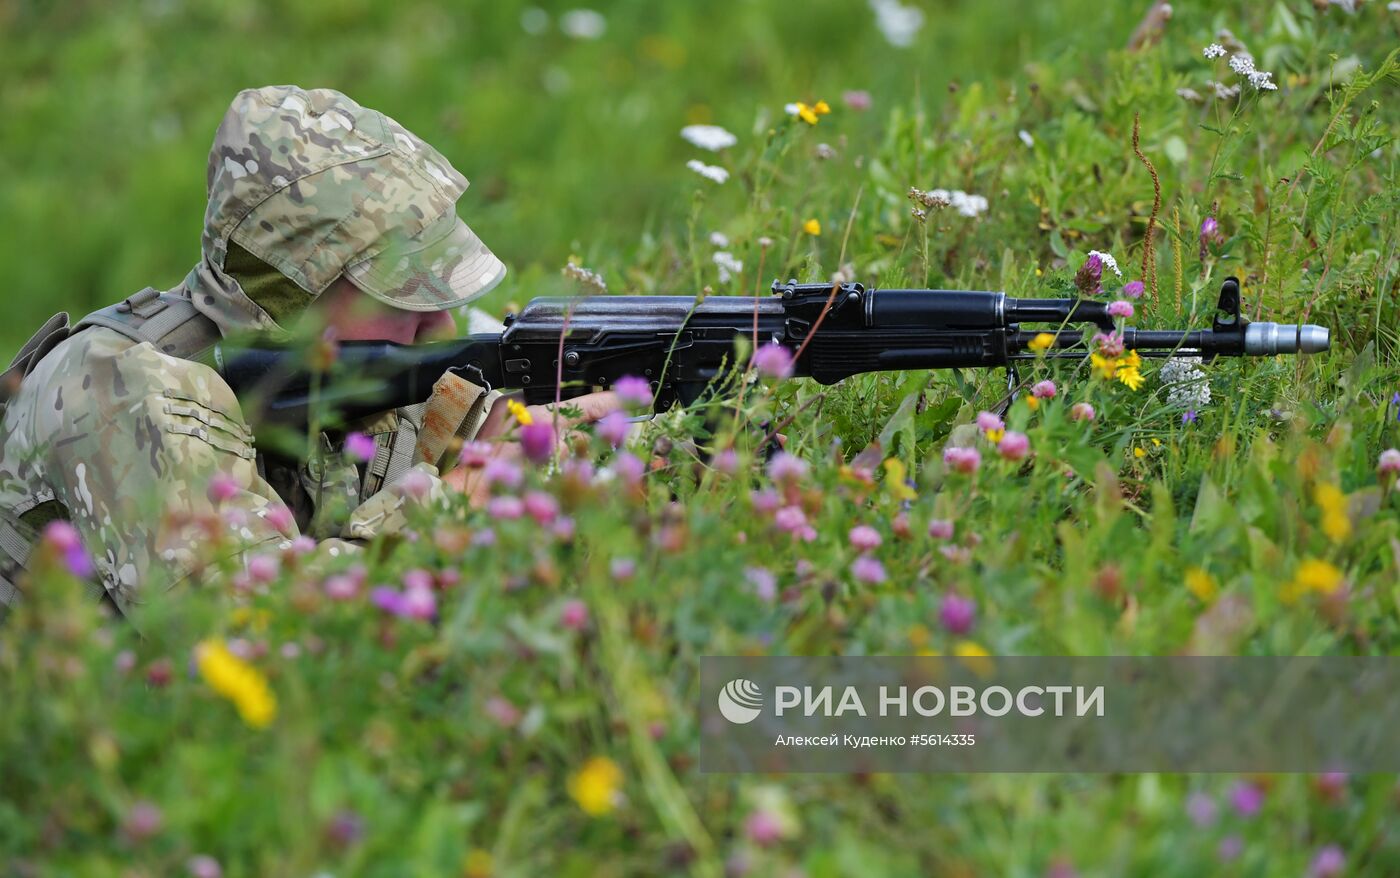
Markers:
point(1086, 549)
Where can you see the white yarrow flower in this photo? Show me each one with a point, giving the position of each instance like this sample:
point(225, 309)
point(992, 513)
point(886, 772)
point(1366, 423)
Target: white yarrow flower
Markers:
point(900, 24)
point(711, 137)
point(1108, 261)
point(1026, 137)
point(728, 265)
point(719, 239)
point(709, 172)
point(1187, 386)
point(583, 24)
point(1214, 50)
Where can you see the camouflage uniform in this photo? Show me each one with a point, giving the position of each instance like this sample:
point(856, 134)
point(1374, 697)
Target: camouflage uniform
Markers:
point(113, 424)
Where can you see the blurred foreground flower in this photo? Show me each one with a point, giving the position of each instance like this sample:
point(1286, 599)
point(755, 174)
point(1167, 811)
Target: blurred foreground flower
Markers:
point(808, 114)
point(812, 227)
point(63, 538)
point(898, 23)
point(711, 137)
point(773, 360)
point(595, 786)
point(710, 172)
point(1313, 575)
point(238, 681)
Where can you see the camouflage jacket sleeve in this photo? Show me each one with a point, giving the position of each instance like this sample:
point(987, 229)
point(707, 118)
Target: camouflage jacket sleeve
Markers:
point(156, 466)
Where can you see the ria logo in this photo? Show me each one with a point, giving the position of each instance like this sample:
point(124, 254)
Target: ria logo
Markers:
point(741, 701)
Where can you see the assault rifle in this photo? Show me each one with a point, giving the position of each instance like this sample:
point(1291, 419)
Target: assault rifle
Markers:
point(683, 344)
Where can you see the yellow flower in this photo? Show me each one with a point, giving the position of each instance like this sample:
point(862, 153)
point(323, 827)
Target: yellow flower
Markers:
point(521, 413)
point(918, 635)
point(895, 480)
point(821, 108)
point(812, 227)
point(1333, 503)
point(1312, 575)
point(478, 864)
point(1103, 366)
point(974, 657)
point(1042, 342)
point(1201, 584)
point(595, 786)
point(805, 113)
point(994, 436)
point(1032, 403)
point(1130, 376)
point(238, 681)
point(1139, 452)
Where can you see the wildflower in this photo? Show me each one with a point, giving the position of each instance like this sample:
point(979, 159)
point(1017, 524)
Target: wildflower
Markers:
point(412, 603)
point(1329, 863)
point(864, 538)
point(222, 487)
point(263, 568)
point(1230, 848)
point(1201, 808)
point(359, 447)
point(1214, 50)
point(238, 681)
point(1312, 575)
point(857, 100)
point(505, 507)
point(763, 828)
point(141, 821)
point(1133, 289)
point(962, 460)
point(502, 472)
point(787, 469)
point(808, 114)
point(475, 454)
point(1389, 463)
point(633, 391)
point(1089, 278)
point(574, 615)
point(203, 866)
point(1109, 344)
point(590, 280)
point(612, 428)
point(341, 587)
point(583, 24)
point(1187, 386)
point(790, 519)
point(940, 529)
point(1210, 235)
point(345, 829)
point(764, 583)
point(713, 173)
point(765, 502)
point(596, 786)
point(1139, 452)
point(1246, 798)
point(1108, 261)
point(773, 360)
point(1026, 138)
point(976, 657)
point(1201, 584)
point(537, 441)
point(1188, 417)
point(415, 484)
point(1044, 390)
point(1131, 377)
point(1333, 503)
point(825, 152)
point(1120, 309)
point(897, 480)
point(728, 266)
point(1190, 94)
point(727, 461)
point(812, 227)
point(867, 569)
point(1042, 342)
point(63, 538)
point(711, 137)
point(957, 613)
point(1014, 446)
point(1081, 411)
point(899, 24)
point(991, 424)
point(280, 517)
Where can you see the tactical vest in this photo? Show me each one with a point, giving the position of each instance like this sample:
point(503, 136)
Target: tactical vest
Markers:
point(424, 432)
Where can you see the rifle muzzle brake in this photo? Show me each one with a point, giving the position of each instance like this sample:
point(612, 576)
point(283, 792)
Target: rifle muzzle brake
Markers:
point(1266, 339)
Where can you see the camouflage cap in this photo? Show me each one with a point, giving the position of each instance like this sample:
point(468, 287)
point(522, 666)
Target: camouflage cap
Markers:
point(317, 186)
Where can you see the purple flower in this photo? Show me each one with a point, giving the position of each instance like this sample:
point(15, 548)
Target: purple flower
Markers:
point(612, 428)
point(142, 821)
point(263, 568)
point(1133, 289)
point(537, 441)
point(633, 391)
point(502, 472)
point(1230, 848)
point(786, 468)
point(1210, 234)
point(1188, 417)
point(864, 538)
point(727, 461)
point(1044, 390)
point(563, 528)
point(340, 587)
point(868, 569)
point(222, 487)
point(1109, 344)
point(417, 578)
point(1246, 798)
point(622, 569)
point(303, 545)
point(962, 460)
point(574, 615)
point(1201, 808)
point(763, 828)
point(790, 519)
point(765, 502)
point(542, 507)
point(413, 603)
point(359, 447)
point(957, 613)
point(856, 99)
point(1081, 411)
point(1329, 863)
point(940, 529)
point(773, 360)
point(64, 539)
point(1389, 462)
point(628, 468)
point(1120, 308)
point(280, 517)
point(506, 507)
point(764, 583)
point(1014, 446)
point(989, 421)
point(415, 484)
point(1089, 279)
point(345, 829)
point(203, 866)
point(474, 454)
